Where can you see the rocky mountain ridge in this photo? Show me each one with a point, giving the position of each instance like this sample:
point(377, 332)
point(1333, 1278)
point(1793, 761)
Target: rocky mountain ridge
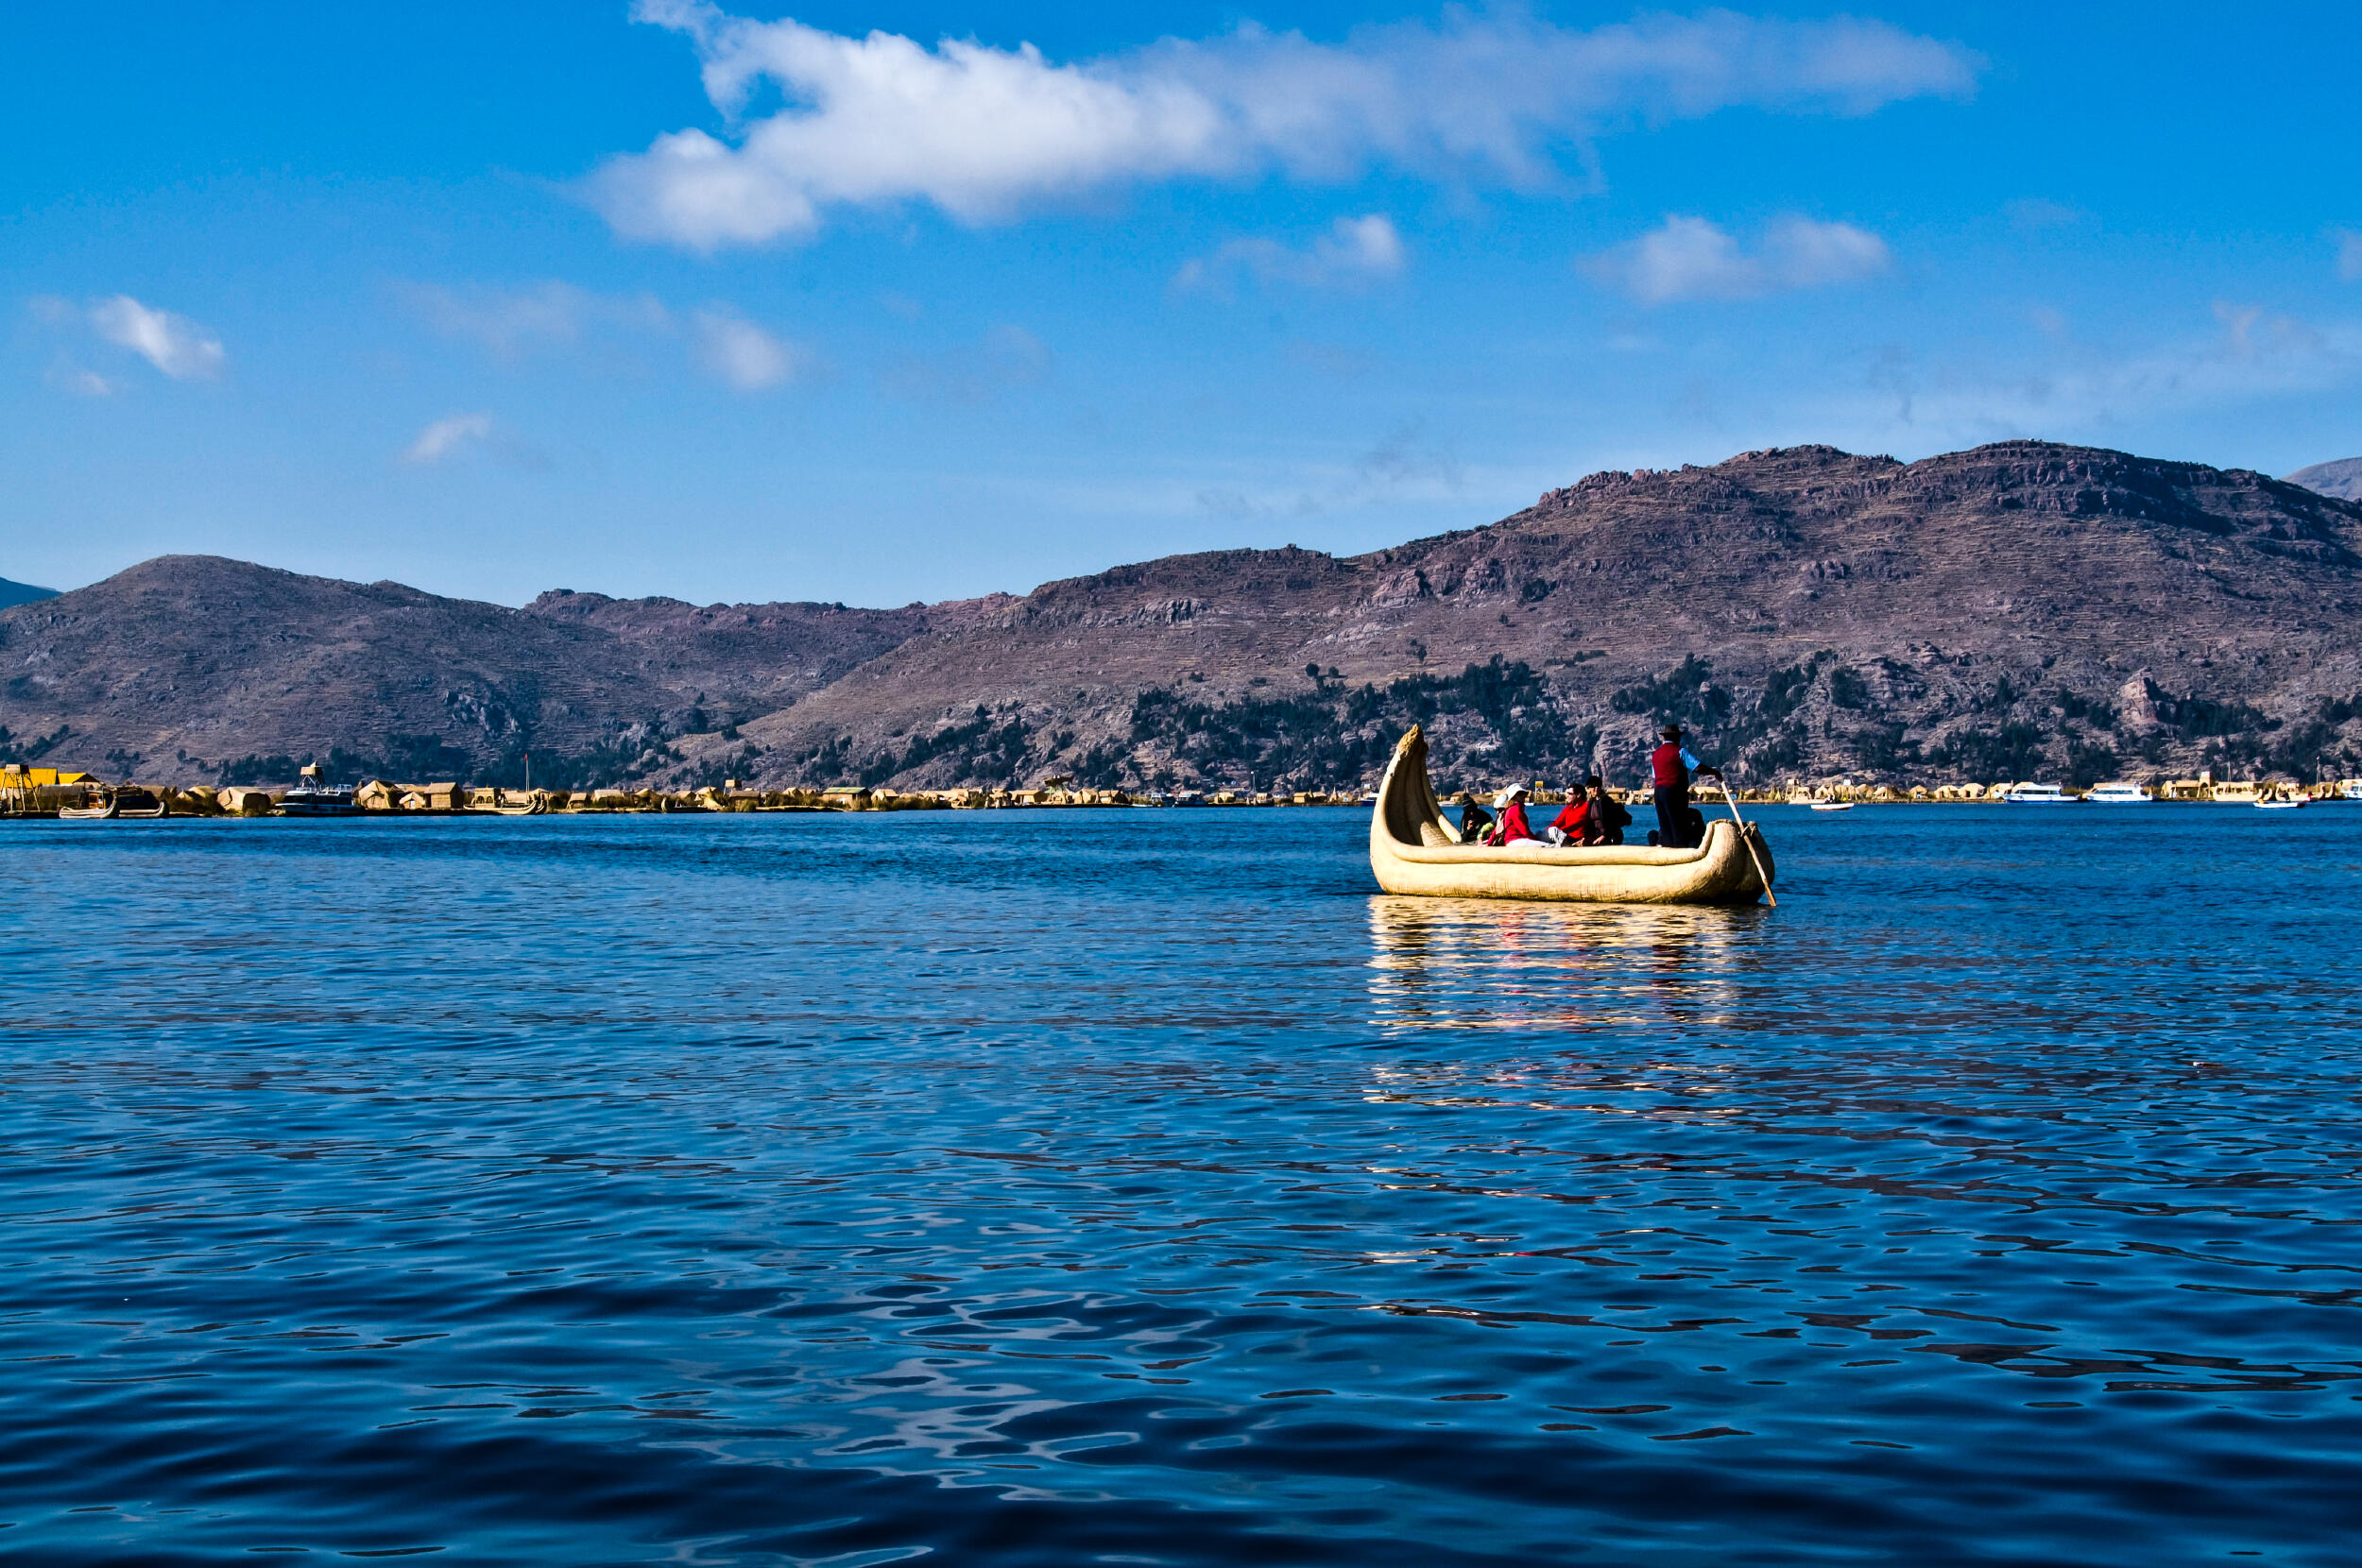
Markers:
point(2341, 479)
point(2024, 608)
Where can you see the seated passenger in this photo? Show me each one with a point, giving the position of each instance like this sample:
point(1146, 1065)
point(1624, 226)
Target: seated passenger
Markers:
point(1514, 826)
point(1592, 817)
point(1475, 820)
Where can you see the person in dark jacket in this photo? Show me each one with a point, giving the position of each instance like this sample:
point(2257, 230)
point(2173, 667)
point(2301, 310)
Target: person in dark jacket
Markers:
point(1679, 825)
point(1593, 817)
point(1475, 820)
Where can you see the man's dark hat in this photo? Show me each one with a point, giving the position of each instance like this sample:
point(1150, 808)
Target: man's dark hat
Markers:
point(1669, 732)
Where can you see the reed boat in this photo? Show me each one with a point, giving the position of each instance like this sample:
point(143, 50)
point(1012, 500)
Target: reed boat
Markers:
point(1414, 849)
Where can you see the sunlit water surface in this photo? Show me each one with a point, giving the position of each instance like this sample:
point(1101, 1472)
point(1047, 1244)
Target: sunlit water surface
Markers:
point(1132, 1187)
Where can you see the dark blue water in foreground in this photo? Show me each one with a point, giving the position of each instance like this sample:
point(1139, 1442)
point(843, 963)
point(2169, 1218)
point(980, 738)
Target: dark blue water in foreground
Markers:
point(1082, 1187)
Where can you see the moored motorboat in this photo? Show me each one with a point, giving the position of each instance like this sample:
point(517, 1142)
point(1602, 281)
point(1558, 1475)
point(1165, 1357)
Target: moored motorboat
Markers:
point(1414, 850)
point(312, 797)
point(2117, 795)
point(2038, 795)
point(1832, 805)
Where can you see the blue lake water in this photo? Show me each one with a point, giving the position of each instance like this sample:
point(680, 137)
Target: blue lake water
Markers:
point(1129, 1186)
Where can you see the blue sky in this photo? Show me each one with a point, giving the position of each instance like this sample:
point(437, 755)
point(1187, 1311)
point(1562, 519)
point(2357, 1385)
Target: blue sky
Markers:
point(901, 301)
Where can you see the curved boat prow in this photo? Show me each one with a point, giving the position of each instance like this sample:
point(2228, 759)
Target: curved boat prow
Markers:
point(1414, 850)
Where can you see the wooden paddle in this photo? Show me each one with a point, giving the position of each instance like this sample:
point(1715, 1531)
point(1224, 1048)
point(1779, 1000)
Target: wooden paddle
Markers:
point(1732, 801)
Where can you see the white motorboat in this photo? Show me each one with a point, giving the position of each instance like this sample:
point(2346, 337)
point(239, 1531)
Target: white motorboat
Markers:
point(2119, 794)
point(2350, 788)
point(2038, 795)
point(2291, 804)
point(1832, 805)
point(312, 797)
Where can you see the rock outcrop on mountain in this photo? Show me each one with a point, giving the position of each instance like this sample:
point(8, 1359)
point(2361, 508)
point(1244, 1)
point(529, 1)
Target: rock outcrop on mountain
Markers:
point(2341, 479)
point(2023, 609)
point(22, 593)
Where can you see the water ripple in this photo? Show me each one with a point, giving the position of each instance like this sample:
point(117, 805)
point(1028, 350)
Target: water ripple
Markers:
point(1084, 1188)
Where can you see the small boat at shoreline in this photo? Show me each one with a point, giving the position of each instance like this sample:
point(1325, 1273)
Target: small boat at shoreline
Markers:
point(1832, 805)
point(2039, 794)
point(111, 803)
point(1414, 850)
point(312, 797)
point(2119, 794)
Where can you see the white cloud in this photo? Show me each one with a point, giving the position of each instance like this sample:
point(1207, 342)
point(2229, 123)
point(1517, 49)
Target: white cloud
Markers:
point(1689, 258)
point(741, 352)
point(510, 322)
point(981, 132)
point(448, 437)
point(1354, 251)
point(89, 383)
point(2253, 356)
point(2349, 255)
point(173, 344)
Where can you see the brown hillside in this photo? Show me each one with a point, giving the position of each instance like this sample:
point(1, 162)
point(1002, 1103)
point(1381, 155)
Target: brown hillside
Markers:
point(2021, 608)
point(1962, 594)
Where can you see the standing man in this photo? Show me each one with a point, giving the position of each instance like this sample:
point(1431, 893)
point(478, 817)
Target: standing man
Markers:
point(1670, 768)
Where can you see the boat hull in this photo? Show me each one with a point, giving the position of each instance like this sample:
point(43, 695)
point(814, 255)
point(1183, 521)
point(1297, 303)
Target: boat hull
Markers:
point(1413, 850)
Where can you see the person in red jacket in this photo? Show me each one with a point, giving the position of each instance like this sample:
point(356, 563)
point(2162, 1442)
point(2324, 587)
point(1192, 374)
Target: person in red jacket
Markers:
point(1590, 818)
point(1512, 823)
point(1679, 825)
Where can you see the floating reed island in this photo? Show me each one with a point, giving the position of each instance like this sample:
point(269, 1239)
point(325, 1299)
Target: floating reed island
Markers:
point(49, 792)
point(52, 792)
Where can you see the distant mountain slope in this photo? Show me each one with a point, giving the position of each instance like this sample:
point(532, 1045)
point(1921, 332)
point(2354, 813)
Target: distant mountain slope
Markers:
point(186, 664)
point(22, 593)
point(2342, 479)
point(736, 661)
point(2024, 609)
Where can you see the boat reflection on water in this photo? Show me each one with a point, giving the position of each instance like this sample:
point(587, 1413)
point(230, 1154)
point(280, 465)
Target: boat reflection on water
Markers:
point(1499, 963)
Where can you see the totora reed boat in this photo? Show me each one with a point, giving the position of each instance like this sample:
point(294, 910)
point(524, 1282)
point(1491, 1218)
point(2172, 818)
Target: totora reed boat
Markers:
point(1414, 850)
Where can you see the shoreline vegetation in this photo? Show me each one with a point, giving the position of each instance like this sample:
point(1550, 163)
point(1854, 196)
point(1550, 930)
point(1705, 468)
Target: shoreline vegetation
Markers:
point(45, 793)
